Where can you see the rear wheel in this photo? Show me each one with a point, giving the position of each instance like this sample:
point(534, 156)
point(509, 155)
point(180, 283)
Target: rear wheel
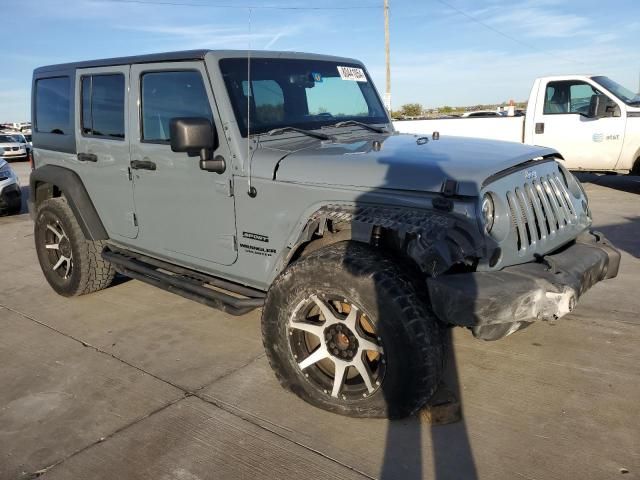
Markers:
point(71, 264)
point(345, 330)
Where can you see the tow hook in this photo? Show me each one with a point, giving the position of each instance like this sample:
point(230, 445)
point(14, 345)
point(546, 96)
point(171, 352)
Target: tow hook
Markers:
point(549, 263)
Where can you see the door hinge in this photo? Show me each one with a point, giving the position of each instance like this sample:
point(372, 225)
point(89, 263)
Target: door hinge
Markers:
point(134, 219)
point(231, 187)
point(129, 173)
point(234, 240)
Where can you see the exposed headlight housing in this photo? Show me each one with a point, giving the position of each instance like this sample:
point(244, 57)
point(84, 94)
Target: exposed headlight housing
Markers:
point(572, 183)
point(488, 212)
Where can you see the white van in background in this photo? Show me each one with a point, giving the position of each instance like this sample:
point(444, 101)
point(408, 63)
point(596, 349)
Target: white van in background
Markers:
point(591, 120)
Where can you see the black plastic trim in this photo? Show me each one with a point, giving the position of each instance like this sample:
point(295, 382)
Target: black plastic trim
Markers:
point(70, 184)
point(520, 166)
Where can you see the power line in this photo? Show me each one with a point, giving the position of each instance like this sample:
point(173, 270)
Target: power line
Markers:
point(505, 35)
point(243, 7)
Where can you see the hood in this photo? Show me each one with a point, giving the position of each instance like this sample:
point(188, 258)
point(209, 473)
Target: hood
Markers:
point(397, 161)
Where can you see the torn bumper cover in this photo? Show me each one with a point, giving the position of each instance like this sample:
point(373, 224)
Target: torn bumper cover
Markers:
point(495, 304)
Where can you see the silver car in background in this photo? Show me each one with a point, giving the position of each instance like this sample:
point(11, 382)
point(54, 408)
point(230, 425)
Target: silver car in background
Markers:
point(10, 193)
point(12, 148)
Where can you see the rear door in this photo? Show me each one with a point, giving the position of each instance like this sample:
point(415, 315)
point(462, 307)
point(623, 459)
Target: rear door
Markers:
point(102, 106)
point(560, 123)
point(185, 213)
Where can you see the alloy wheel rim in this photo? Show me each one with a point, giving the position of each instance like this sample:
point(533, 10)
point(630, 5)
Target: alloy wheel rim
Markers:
point(336, 346)
point(58, 247)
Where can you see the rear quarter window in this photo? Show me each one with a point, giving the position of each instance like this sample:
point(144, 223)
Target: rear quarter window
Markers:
point(52, 106)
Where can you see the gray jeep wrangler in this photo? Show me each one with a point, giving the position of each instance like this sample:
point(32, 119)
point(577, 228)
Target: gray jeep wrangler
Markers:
point(276, 180)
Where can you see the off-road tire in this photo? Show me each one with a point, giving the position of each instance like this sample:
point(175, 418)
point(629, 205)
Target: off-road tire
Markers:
point(89, 272)
point(409, 331)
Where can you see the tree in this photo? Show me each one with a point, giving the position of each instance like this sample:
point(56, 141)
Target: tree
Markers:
point(446, 109)
point(411, 110)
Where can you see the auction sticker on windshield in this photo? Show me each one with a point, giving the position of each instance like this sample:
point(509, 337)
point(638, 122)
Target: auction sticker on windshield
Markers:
point(352, 73)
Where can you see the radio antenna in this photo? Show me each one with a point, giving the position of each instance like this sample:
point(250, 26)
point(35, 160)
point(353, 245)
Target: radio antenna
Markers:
point(252, 192)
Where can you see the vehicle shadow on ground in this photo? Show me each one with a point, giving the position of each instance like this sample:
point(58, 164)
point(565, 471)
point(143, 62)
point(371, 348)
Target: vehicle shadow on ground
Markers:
point(623, 236)
point(625, 183)
point(405, 455)
point(25, 197)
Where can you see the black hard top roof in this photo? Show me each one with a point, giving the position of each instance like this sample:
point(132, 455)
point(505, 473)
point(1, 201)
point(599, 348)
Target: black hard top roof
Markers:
point(106, 62)
point(185, 55)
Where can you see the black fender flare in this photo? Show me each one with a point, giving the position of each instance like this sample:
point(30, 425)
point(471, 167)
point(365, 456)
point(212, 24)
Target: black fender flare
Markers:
point(70, 185)
point(434, 240)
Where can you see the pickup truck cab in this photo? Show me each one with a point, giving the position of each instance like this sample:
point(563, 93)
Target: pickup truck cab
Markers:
point(592, 121)
point(277, 181)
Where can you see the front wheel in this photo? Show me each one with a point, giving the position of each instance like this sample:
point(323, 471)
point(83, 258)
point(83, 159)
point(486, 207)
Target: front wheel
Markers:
point(345, 330)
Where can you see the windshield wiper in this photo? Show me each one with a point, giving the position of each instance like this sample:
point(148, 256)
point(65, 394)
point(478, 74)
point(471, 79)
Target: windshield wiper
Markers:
point(347, 123)
point(278, 131)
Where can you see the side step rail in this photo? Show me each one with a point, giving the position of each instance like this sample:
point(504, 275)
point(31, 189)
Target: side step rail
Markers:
point(186, 283)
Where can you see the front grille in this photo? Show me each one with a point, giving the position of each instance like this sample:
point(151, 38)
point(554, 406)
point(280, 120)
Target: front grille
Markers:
point(541, 209)
point(15, 149)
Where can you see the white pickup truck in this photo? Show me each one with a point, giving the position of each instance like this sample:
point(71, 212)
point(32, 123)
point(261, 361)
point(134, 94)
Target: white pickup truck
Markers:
point(591, 120)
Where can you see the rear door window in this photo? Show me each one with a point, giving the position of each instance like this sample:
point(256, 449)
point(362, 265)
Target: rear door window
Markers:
point(103, 106)
point(167, 95)
point(53, 105)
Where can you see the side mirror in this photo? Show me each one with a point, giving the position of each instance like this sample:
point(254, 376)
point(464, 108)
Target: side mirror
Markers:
point(196, 136)
point(601, 106)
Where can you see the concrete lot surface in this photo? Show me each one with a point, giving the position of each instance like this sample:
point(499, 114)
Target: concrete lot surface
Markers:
point(133, 382)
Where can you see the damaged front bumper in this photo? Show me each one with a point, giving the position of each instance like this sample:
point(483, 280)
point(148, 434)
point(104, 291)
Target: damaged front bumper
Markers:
point(496, 304)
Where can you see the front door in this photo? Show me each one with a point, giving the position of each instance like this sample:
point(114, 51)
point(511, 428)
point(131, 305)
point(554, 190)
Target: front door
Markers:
point(585, 143)
point(102, 143)
point(184, 213)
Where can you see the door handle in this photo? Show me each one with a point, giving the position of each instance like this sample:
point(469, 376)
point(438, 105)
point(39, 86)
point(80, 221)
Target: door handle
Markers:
point(87, 157)
point(143, 165)
point(539, 128)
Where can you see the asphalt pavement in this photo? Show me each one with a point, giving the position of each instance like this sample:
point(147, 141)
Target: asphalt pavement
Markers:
point(136, 383)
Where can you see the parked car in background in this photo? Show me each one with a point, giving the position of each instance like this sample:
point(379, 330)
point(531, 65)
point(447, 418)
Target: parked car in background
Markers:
point(21, 139)
point(10, 194)
point(592, 121)
point(11, 147)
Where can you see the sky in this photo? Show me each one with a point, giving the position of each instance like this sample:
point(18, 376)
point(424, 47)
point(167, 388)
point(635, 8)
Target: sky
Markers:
point(443, 52)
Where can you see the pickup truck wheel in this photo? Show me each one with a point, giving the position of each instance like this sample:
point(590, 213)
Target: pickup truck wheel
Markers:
point(71, 264)
point(345, 329)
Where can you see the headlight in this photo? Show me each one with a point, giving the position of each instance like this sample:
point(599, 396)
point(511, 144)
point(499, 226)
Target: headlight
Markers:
point(572, 183)
point(488, 212)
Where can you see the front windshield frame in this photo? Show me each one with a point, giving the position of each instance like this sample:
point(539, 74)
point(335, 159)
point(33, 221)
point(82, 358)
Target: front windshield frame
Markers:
point(621, 93)
point(231, 73)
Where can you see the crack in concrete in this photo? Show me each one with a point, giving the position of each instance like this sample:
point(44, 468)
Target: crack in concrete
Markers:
point(245, 416)
point(42, 471)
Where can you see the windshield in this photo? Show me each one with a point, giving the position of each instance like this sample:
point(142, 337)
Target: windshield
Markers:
point(624, 94)
point(305, 94)
point(8, 139)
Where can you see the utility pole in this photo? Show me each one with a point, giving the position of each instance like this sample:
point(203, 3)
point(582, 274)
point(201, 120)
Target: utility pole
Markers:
point(387, 95)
